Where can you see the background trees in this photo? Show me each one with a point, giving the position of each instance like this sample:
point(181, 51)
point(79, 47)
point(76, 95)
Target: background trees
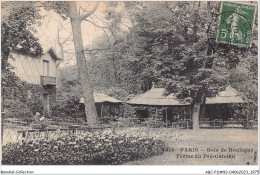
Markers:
point(172, 48)
point(145, 42)
point(168, 43)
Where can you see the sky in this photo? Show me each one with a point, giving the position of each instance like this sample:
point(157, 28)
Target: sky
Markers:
point(52, 22)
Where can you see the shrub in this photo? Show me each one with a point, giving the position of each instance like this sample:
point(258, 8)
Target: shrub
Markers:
point(90, 149)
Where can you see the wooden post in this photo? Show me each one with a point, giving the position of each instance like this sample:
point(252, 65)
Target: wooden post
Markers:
point(156, 117)
point(113, 129)
point(214, 124)
point(148, 128)
point(119, 111)
point(24, 134)
point(101, 115)
point(166, 115)
point(46, 99)
point(109, 110)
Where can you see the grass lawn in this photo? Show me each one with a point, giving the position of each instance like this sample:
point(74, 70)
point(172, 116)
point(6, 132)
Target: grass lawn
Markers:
point(199, 141)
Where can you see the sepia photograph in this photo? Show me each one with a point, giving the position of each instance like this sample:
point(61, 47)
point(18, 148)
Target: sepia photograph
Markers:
point(130, 83)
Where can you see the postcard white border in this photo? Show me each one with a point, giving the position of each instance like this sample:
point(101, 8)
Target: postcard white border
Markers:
point(141, 169)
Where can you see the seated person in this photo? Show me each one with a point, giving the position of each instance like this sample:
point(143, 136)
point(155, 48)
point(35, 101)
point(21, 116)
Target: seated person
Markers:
point(44, 122)
point(36, 118)
point(40, 120)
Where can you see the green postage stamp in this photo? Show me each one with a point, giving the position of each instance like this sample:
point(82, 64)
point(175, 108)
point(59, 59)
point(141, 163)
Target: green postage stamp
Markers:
point(236, 23)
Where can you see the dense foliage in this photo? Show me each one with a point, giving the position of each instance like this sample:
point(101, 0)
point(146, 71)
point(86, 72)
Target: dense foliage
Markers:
point(171, 48)
point(23, 100)
point(68, 94)
point(143, 45)
point(18, 98)
point(104, 149)
point(174, 50)
point(17, 30)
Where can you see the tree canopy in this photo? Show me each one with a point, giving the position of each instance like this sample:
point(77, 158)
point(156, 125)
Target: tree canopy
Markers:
point(17, 23)
point(144, 42)
point(169, 44)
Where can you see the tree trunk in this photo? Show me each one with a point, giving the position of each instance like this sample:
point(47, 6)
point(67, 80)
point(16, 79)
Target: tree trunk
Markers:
point(195, 116)
point(198, 109)
point(46, 103)
point(90, 108)
point(114, 70)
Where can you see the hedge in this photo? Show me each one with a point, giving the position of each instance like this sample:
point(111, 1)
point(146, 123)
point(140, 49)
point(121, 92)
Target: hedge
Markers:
point(104, 149)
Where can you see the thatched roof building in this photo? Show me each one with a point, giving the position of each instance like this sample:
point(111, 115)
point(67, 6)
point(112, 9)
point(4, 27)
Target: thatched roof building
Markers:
point(155, 97)
point(229, 95)
point(102, 98)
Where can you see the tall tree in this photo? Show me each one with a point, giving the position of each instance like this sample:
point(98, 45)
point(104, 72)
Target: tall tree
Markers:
point(170, 48)
point(72, 11)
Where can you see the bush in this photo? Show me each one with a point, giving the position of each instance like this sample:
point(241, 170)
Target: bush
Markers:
point(104, 149)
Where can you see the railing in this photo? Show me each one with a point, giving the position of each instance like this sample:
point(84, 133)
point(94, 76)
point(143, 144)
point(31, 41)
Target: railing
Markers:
point(184, 124)
point(15, 130)
point(46, 80)
point(228, 124)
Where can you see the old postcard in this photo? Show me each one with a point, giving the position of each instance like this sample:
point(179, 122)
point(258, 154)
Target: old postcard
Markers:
point(90, 83)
